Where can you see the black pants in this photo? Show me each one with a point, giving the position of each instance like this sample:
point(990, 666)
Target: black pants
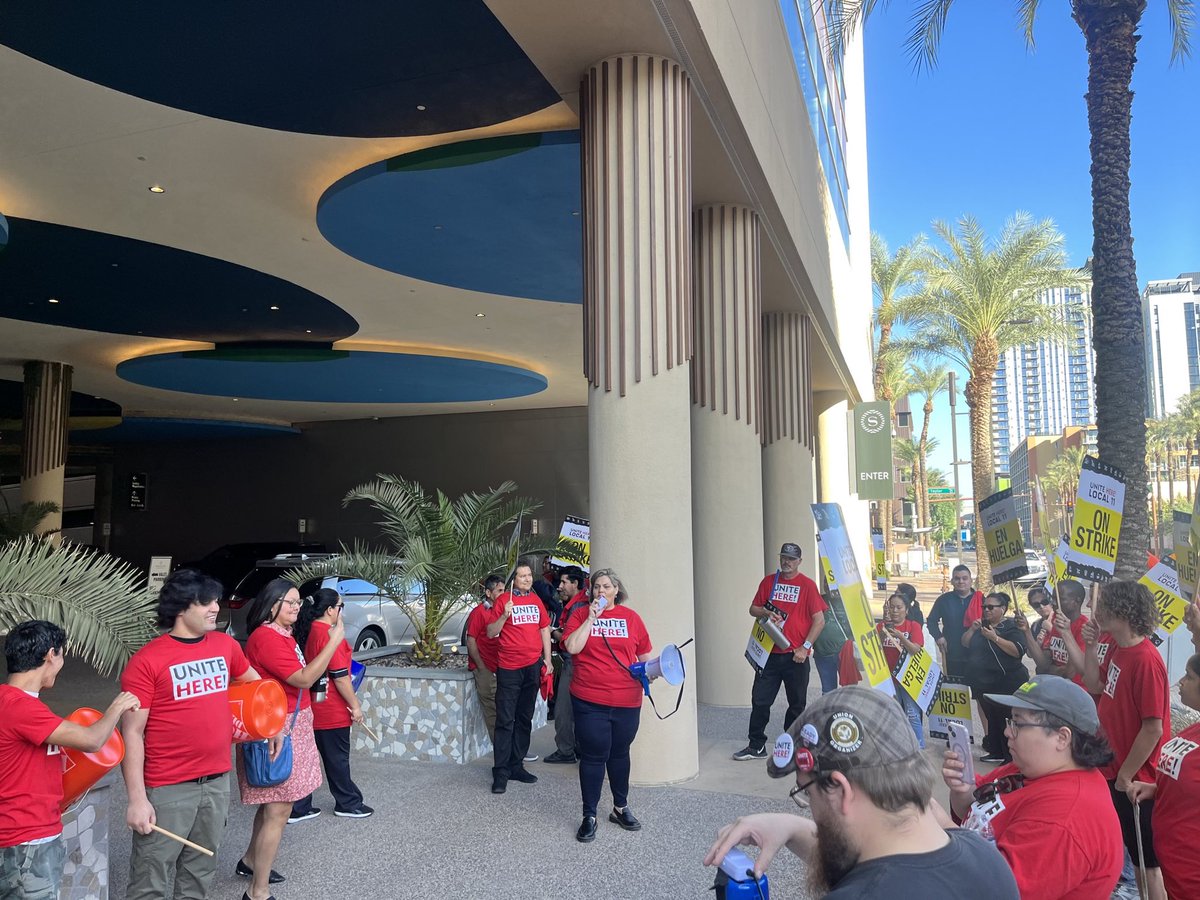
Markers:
point(516, 694)
point(334, 746)
point(995, 742)
point(1125, 814)
point(604, 734)
point(781, 668)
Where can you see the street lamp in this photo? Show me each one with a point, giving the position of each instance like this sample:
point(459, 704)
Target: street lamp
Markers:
point(954, 414)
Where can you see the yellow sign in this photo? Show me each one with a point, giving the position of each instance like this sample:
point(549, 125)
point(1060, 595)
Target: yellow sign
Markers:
point(1002, 536)
point(919, 674)
point(758, 649)
point(1096, 525)
point(879, 554)
point(1185, 554)
point(1163, 582)
point(836, 544)
point(575, 538)
point(1039, 497)
point(952, 703)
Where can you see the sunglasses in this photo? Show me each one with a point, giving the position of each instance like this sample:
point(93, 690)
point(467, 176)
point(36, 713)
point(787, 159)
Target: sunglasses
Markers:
point(986, 793)
point(1043, 602)
point(992, 606)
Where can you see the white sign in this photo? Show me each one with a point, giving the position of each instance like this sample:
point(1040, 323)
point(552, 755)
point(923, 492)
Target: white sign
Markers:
point(952, 703)
point(160, 568)
point(578, 532)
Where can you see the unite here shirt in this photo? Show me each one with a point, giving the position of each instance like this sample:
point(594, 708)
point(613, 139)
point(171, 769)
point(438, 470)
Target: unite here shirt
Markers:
point(797, 599)
point(1133, 687)
point(31, 771)
point(184, 686)
point(520, 640)
point(1176, 823)
point(598, 678)
point(489, 648)
point(333, 711)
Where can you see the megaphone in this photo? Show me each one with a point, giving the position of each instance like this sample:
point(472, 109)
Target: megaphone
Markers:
point(668, 665)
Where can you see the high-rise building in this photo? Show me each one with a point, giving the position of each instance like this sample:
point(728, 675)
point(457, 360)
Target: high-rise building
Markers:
point(1044, 387)
point(1171, 316)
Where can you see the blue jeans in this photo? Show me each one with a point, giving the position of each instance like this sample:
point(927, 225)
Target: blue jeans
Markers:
point(913, 711)
point(827, 668)
point(604, 734)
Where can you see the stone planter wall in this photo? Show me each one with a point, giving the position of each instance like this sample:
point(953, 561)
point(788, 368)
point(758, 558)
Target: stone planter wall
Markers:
point(425, 715)
point(85, 837)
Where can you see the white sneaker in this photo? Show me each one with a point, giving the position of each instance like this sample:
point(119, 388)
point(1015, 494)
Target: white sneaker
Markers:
point(531, 757)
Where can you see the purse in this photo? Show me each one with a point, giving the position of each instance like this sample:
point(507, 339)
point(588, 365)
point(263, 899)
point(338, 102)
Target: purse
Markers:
point(261, 770)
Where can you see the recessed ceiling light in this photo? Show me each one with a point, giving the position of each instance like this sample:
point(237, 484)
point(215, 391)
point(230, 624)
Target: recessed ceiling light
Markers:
point(235, 399)
point(157, 189)
point(53, 299)
point(276, 308)
point(421, 107)
point(437, 227)
point(480, 315)
point(574, 212)
point(308, 331)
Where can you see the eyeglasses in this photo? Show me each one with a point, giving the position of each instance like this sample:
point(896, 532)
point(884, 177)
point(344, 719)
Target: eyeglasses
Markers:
point(296, 602)
point(992, 606)
point(797, 793)
point(1017, 726)
point(339, 605)
point(986, 793)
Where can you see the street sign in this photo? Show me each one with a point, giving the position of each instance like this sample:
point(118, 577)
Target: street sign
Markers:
point(939, 491)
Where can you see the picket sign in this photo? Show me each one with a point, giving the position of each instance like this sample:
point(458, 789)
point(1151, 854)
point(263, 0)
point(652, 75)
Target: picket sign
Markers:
point(951, 703)
point(919, 674)
point(1096, 524)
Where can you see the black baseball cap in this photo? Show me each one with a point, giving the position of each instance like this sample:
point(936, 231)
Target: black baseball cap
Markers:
point(790, 550)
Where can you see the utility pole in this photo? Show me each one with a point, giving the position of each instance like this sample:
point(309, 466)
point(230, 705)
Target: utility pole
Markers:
point(954, 465)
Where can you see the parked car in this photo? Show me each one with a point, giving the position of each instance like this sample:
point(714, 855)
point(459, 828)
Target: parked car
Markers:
point(1038, 570)
point(230, 563)
point(372, 619)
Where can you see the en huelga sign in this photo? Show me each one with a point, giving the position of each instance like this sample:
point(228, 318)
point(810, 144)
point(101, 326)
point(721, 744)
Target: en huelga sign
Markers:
point(1002, 536)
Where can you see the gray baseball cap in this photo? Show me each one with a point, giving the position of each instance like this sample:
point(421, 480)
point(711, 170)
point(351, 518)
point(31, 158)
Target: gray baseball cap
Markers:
point(1057, 696)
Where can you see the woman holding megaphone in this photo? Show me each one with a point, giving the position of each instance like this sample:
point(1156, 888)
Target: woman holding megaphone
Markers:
point(604, 640)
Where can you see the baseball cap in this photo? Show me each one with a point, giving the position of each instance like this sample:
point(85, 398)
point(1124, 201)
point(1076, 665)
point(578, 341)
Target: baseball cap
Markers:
point(790, 549)
point(1058, 696)
point(853, 727)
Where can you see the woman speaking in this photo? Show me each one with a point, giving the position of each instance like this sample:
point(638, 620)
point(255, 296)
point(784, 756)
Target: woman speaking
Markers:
point(604, 640)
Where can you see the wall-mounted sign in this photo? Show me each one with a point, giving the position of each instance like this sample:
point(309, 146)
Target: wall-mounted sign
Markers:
point(873, 475)
point(139, 488)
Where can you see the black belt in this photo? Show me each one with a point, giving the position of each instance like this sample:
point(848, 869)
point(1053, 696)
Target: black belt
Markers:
point(203, 778)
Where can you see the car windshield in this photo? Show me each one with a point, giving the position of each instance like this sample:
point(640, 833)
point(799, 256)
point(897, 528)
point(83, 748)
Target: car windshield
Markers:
point(257, 580)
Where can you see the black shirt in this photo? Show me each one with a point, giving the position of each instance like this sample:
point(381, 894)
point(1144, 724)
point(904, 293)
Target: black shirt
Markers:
point(989, 667)
point(946, 620)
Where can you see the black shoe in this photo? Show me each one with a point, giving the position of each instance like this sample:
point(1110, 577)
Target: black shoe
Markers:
point(246, 872)
point(360, 812)
point(524, 776)
point(751, 752)
point(625, 819)
point(246, 896)
point(304, 817)
point(557, 757)
point(587, 830)
point(499, 785)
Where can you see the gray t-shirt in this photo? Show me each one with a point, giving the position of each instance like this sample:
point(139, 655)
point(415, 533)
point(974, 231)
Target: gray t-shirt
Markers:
point(968, 866)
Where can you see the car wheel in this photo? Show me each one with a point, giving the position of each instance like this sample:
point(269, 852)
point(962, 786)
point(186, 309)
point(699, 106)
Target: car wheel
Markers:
point(368, 639)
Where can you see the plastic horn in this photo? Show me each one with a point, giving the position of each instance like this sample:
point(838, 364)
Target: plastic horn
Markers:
point(173, 836)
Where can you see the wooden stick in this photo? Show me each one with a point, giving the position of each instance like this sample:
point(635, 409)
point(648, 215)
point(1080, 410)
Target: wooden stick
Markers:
point(173, 836)
point(370, 733)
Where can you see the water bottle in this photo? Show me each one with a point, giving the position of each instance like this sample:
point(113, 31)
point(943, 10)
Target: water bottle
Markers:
point(320, 689)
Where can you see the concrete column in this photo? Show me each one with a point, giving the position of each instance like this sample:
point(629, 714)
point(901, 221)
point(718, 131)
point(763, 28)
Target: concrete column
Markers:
point(833, 470)
point(789, 476)
point(636, 186)
point(47, 408)
point(727, 517)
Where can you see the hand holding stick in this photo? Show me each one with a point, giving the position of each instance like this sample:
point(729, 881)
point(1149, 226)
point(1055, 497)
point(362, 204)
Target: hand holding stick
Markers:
point(372, 735)
point(173, 836)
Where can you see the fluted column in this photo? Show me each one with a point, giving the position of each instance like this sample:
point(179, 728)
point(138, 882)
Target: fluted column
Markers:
point(636, 186)
point(789, 439)
point(47, 408)
point(727, 514)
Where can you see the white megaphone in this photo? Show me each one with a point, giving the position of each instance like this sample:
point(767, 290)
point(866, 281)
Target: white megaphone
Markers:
point(668, 665)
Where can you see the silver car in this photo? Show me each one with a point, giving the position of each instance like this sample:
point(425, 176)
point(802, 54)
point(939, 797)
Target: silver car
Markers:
point(372, 619)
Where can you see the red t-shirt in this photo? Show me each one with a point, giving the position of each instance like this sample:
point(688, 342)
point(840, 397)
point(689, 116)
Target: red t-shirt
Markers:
point(1176, 825)
point(1135, 688)
point(333, 711)
point(797, 599)
point(598, 678)
point(184, 685)
point(31, 771)
point(1060, 835)
point(892, 648)
point(274, 653)
point(1058, 647)
point(520, 640)
point(489, 648)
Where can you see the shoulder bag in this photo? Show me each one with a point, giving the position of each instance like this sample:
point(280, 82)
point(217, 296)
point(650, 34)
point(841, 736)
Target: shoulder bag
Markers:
point(261, 770)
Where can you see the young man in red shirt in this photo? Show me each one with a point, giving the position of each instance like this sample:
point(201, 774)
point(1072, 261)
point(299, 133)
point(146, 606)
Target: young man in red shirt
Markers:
point(1134, 707)
point(177, 757)
point(482, 650)
point(521, 623)
point(792, 601)
point(31, 761)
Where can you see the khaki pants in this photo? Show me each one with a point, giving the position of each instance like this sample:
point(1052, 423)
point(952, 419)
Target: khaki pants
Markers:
point(485, 686)
point(32, 871)
point(194, 811)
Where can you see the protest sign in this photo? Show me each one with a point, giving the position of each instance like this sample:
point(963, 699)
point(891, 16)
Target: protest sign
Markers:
point(919, 674)
point(879, 555)
point(1185, 553)
point(1043, 513)
point(951, 703)
point(836, 544)
point(1163, 583)
point(758, 649)
point(1096, 525)
point(1002, 536)
point(577, 533)
point(826, 569)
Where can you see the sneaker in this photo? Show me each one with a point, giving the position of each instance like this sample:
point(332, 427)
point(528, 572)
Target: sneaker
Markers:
point(361, 813)
point(524, 776)
point(311, 814)
point(531, 757)
point(751, 752)
point(557, 757)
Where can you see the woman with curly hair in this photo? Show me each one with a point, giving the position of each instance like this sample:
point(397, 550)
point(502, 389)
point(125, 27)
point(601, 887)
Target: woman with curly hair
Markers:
point(1134, 707)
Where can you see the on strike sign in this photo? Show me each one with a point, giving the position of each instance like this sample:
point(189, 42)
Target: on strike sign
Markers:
point(1096, 524)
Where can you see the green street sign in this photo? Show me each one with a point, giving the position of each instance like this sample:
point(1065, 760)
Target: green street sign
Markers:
point(873, 478)
point(939, 491)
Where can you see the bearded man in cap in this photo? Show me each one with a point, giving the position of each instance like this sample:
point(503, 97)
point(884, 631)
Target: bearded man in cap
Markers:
point(792, 602)
point(875, 829)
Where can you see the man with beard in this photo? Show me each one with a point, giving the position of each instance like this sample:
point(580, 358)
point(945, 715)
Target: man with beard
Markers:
point(874, 830)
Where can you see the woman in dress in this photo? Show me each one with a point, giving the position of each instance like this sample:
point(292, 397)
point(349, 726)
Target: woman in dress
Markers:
point(604, 639)
point(273, 652)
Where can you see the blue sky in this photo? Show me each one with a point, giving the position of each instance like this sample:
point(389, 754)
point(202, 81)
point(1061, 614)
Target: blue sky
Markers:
point(997, 128)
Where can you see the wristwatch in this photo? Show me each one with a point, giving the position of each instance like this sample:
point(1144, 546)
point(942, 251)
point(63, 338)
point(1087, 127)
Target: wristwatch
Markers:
point(808, 645)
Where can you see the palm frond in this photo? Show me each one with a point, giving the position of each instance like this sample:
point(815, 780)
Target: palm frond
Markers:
point(1183, 19)
point(925, 36)
point(1027, 14)
point(100, 601)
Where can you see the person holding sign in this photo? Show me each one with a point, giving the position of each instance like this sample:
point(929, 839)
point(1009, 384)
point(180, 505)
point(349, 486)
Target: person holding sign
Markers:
point(604, 639)
point(1134, 706)
point(899, 635)
point(791, 600)
point(994, 646)
point(1048, 810)
point(31, 760)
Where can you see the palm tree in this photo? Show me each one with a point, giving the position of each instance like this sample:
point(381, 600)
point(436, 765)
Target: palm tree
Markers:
point(894, 279)
point(25, 518)
point(981, 299)
point(1156, 442)
point(894, 385)
point(1063, 471)
point(1188, 424)
point(928, 381)
point(438, 550)
point(1110, 28)
point(101, 602)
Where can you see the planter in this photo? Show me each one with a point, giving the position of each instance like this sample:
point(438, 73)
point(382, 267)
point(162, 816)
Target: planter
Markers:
point(85, 838)
point(425, 715)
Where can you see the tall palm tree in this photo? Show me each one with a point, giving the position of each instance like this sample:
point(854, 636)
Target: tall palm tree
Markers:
point(928, 381)
point(894, 279)
point(894, 385)
point(1110, 28)
point(1156, 443)
point(981, 299)
point(1188, 423)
